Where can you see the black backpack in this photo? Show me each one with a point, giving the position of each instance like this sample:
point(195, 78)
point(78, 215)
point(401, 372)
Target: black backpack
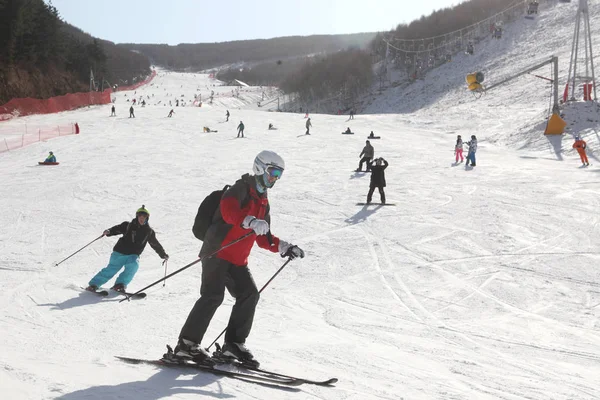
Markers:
point(206, 212)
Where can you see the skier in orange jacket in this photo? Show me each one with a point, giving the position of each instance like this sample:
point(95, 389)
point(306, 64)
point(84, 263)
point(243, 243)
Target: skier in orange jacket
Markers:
point(580, 145)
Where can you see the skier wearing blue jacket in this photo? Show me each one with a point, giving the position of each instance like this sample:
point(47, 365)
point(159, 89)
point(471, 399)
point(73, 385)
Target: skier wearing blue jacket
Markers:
point(126, 252)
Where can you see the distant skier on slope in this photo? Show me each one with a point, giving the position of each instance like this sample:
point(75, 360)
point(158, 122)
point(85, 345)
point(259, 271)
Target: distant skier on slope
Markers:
point(126, 252)
point(227, 116)
point(240, 129)
point(113, 112)
point(244, 209)
point(580, 145)
point(308, 126)
point(367, 154)
point(171, 113)
point(458, 149)
point(378, 167)
point(131, 114)
point(472, 150)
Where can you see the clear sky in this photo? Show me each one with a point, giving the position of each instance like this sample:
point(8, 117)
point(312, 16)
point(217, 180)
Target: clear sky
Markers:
point(198, 21)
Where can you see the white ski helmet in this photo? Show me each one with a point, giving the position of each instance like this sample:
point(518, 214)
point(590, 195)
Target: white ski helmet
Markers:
point(262, 162)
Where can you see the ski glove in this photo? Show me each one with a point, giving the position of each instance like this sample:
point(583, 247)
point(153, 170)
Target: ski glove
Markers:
point(105, 233)
point(290, 250)
point(259, 226)
point(165, 256)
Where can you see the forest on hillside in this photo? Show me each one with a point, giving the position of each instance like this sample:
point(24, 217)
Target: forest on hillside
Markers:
point(196, 57)
point(41, 56)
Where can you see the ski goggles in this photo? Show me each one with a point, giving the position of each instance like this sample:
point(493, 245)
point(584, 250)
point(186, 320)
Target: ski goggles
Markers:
point(274, 172)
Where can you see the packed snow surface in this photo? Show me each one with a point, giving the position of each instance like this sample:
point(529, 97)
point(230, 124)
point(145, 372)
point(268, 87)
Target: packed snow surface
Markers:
point(480, 283)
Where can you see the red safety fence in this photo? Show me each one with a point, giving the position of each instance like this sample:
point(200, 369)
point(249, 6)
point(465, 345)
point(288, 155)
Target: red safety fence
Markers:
point(137, 85)
point(70, 101)
point(16, 137)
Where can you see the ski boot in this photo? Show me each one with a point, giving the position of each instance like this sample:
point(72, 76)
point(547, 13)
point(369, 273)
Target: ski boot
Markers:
point(119, 287)
point(239, 352)
point(186, 350)
point(92, 288)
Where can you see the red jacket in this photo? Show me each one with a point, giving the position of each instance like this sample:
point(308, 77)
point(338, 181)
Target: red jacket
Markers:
point(239, 201)
point(580, 145)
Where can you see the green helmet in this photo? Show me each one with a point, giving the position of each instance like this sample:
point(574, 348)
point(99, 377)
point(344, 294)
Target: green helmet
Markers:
point(142, 210)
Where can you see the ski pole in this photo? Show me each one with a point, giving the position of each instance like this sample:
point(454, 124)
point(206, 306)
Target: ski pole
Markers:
point(263, 288)
point(186, 267)
point(165, 281)
point(60, 262)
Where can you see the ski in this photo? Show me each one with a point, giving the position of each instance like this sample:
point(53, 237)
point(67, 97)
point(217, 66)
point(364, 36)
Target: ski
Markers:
point(101, 293)
point(375, 204)
point(240, 365)
point(132, 296)
point(272, 381)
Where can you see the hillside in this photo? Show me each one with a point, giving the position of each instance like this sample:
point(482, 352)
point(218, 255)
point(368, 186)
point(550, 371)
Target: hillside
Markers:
point(200, 56)
point(42, 56)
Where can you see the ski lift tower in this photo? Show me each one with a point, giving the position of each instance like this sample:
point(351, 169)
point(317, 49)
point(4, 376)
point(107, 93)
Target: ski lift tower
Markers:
point(575, 66)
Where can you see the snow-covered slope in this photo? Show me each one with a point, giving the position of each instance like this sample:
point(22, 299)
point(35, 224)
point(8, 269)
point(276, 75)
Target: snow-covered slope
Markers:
point(513, 114)
point(479, 283)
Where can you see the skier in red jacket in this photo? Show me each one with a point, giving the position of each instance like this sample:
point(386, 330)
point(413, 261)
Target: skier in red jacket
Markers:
point(244, 209)
point(580, 145)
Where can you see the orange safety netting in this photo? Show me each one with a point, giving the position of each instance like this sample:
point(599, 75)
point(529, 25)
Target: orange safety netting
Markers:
point(137, 85)
point(70, 101)
point(17, 137)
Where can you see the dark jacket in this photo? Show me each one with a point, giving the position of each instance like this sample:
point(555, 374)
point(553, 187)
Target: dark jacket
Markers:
point(135, 238)
point(378, 174)
point(239, 201)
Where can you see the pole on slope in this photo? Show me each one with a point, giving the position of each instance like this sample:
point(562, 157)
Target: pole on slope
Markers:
point(128, 297)
point(60, 262)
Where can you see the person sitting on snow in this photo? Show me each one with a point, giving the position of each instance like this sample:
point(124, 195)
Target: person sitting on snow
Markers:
point(51, 158)
point(271, 127)
point(348, 131)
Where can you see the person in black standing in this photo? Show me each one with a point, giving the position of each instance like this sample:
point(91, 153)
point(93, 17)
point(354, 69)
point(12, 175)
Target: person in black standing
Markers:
point(378, 167)
point(227, 116)
point(131, 114)
point(112, 111)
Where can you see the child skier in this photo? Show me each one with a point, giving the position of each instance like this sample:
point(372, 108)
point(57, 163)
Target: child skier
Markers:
point(458, 149)
point(126, 252)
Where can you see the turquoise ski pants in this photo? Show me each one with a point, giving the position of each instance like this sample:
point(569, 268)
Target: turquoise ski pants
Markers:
point(131, 262)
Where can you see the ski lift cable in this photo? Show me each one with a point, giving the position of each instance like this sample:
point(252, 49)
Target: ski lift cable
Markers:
point(519, 3)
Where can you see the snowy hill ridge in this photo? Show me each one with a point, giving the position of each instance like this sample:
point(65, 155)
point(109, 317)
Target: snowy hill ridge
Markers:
point(480, 283)
point(524, 43)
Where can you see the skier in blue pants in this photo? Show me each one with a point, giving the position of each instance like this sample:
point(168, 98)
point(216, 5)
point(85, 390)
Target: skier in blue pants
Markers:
point(472, 150)
point(126, 252)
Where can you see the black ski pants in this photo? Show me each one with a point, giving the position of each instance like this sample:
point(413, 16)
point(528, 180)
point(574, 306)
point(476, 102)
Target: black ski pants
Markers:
point(240, 133)
point(381, 193)
point(363, 160)
point(217, 275)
